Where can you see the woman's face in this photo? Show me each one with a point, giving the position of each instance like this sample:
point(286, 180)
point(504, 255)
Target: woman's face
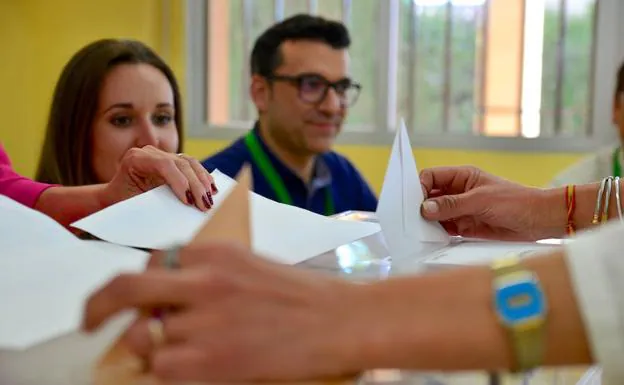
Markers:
point(135, 109)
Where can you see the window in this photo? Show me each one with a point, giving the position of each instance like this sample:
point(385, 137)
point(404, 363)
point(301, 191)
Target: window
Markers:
point(460, 72)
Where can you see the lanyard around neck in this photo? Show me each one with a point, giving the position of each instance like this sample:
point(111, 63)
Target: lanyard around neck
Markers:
point(276, 182)
point(617, 167)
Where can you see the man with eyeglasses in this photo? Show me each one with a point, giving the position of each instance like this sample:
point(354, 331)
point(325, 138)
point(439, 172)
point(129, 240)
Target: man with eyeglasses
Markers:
point(607, 161)
point(301, 88)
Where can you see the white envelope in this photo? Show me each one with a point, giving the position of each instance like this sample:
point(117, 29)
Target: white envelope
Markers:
point(46, 274)
point(404, 229)
point(286, 234)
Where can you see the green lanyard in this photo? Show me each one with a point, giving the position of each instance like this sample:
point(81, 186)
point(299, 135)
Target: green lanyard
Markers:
point(267, 170)
point(617, 167)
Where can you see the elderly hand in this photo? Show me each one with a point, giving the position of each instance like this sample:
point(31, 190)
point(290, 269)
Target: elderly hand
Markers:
point(472, 203)
point(234, 316)
point(145, 168)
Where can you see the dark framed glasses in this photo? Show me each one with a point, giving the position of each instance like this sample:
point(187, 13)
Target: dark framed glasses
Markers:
point(313, 88)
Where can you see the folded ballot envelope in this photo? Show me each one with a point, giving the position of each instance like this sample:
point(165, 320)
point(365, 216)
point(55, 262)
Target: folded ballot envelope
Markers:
point(46, 274)
point(284, 233)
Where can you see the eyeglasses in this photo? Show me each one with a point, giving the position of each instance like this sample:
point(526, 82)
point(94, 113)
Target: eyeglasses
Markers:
point(313, 88)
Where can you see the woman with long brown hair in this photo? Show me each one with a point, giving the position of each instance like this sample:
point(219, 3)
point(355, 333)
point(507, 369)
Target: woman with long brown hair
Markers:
point(113, 95)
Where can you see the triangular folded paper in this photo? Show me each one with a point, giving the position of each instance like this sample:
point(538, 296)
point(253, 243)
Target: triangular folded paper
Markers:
point(405, 230)
point(231, 221)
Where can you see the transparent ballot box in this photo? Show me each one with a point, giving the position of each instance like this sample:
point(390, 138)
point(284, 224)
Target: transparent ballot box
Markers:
point(368, 259)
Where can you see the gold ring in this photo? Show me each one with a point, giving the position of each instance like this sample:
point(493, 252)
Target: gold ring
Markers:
point(156, 331)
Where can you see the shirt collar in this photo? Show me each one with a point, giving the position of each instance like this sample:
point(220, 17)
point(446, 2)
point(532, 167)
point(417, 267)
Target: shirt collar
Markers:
point(321, 174)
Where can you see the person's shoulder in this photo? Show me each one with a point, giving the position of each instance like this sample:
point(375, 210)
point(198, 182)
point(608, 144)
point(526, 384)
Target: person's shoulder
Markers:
point(229, 160)
point(589, 169)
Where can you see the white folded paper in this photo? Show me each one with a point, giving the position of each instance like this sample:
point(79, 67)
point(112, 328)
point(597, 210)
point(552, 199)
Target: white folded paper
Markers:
point(409, 235)
point(286, 234)
point(46, 274)
point(404, 229)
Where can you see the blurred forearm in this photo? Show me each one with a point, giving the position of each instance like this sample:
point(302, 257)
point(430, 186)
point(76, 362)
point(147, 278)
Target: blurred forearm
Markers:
point(69, 204)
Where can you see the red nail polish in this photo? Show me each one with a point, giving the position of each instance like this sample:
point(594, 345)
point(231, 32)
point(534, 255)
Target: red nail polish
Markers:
point(206, 201)
point(214, 188)
point(189, 197)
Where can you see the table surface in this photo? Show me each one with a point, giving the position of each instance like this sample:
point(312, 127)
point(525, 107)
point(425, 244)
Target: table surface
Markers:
point(368, 259)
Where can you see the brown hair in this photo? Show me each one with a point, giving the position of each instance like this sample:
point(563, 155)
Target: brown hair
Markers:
point(66, 152)
point(619, 85)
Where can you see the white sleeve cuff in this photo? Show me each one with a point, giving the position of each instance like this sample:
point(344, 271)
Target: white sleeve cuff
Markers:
point(596, 264)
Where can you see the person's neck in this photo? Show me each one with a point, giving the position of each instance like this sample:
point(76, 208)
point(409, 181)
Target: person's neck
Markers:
point(300, 164)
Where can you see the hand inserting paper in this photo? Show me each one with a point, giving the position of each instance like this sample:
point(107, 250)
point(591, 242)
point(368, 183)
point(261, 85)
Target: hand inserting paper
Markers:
point(406, 232)
point(156, 220)
point(475, 204)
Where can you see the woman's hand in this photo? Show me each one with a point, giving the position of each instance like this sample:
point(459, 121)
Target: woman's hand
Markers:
point(143, 169)
point(472, 203)
point(237, 317)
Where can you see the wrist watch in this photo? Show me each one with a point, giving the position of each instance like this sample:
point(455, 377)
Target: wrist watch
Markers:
point(520, 304)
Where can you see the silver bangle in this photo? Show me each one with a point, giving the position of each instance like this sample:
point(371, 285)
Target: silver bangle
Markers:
point(607, 199)
point(618, 199)
point(596, 217)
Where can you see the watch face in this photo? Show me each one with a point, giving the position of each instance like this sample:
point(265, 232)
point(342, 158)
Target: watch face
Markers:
point(520, 301)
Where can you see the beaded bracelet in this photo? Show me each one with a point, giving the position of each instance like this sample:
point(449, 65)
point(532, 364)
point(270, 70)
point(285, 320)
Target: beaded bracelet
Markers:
point(570, 195)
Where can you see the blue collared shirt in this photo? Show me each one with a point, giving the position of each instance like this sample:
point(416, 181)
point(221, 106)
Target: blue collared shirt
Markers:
point(348, 189)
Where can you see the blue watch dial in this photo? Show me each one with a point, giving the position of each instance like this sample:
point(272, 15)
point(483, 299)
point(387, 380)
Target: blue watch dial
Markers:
point(519, 301)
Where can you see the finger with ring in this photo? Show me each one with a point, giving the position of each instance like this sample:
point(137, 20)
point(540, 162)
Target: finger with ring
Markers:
point(156, 331)
point(171, 258)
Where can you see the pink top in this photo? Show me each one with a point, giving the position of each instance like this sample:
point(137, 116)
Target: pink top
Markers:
point(16, 187)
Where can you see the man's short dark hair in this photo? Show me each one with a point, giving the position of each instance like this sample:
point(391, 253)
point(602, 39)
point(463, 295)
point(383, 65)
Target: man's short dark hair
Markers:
point(619, 88)
point(266, 55)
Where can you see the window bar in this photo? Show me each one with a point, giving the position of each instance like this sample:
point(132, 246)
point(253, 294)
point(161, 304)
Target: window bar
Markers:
point(278, 10)
point(412, 68)
point(448, 34)
point(589, 130)
point(519, 109)
point(346, 12)
point(482, 76)
point(560, 67)
point(386, 71)
point(166, 31)
point(197, 15)
point(313, 7)
point(247, 15)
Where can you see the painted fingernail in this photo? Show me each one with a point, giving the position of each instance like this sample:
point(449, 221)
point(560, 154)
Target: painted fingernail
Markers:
point(210, 199)
point(214, 188)
point(189, 197)
point(206, 201)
